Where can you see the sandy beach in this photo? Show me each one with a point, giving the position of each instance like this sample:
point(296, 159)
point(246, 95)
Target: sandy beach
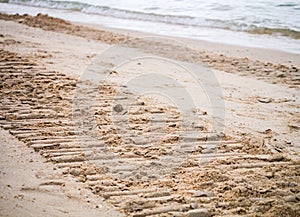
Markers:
point(108, 122)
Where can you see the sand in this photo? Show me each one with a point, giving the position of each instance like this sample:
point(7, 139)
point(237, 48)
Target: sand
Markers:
point(116, 123)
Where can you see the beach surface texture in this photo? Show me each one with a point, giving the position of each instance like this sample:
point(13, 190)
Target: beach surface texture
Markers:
point(108, 122)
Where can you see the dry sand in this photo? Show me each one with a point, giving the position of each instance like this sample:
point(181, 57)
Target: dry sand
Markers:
point(232, 148)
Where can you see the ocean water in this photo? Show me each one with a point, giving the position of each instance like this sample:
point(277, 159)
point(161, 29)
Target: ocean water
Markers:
point(255, 23)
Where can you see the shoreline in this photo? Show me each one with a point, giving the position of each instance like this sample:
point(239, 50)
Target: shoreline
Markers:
point(255, 40)
point(255, 53)
point(122, 145)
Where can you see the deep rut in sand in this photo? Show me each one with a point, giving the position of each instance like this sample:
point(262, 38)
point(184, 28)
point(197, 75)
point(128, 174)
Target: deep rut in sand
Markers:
point(136, 158)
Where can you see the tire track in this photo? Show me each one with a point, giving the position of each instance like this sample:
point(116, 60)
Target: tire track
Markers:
point(132, 157)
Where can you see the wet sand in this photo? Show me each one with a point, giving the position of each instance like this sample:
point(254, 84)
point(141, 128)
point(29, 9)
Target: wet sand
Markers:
point(94, 115)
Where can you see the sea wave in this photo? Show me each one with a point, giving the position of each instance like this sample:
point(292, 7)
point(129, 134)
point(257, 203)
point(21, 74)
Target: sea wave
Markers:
point(108, 11)
point(233, 25)
point(287, 5)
